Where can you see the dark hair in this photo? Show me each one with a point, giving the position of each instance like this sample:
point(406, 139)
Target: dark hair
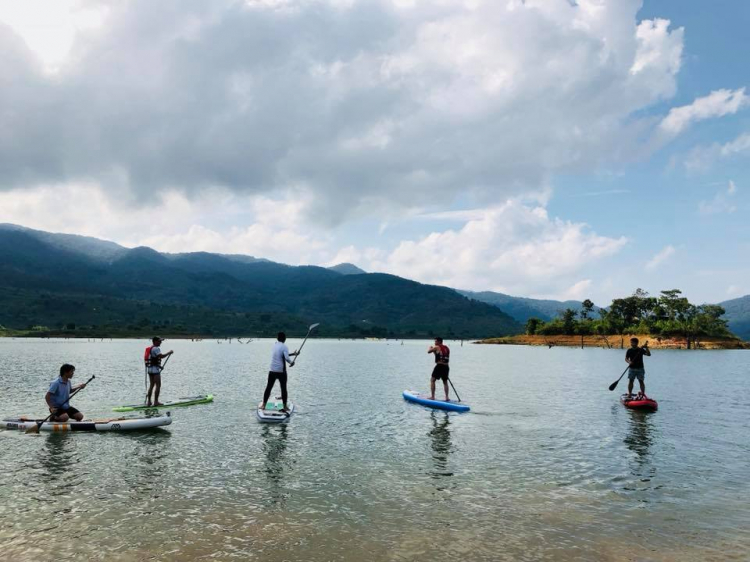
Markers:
point(633, 340)
point(281, 337)
point(66, 368)
point(439, 340)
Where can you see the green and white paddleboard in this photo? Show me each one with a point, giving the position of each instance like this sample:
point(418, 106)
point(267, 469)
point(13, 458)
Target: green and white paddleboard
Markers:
point(187, 401)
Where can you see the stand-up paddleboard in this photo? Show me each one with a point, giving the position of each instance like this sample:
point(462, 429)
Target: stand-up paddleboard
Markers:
point(424, 400)
point(113, 424)
point(272, 413)
point(639, 402)
point(187, 401)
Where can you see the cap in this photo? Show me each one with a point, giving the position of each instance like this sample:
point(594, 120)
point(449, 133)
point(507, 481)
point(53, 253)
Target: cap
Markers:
point(157, 338)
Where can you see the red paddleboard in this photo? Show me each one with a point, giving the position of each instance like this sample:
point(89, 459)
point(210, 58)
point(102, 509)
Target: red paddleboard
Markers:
point(639, 402)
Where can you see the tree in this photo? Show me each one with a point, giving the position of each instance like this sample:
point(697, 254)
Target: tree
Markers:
point(569, 321)
point(587, 308)
point(532, 325)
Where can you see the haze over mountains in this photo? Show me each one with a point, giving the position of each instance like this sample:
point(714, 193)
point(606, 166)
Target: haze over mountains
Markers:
point(56, 280)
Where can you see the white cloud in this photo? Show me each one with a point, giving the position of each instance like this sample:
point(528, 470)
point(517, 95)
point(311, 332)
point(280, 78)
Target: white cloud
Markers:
point(703, 157)
point(579, 291)
point(717, 104)
point(512, 248)
point(372, 106)
point(660, 257)
point(271, 228)
point(721, 203)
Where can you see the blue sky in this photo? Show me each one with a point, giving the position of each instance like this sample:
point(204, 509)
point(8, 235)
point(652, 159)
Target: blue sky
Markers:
point(535, 148)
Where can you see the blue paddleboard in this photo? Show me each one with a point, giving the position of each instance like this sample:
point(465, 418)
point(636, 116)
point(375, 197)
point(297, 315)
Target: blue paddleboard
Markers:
point(424, 400)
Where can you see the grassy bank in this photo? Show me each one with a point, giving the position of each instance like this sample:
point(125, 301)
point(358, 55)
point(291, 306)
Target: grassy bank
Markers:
point(620, 341)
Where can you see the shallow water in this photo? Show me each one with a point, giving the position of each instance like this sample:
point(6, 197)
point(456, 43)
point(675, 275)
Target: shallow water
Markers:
point(547, 466)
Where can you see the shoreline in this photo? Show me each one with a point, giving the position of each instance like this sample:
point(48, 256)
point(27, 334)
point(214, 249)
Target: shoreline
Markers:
point(619, 341)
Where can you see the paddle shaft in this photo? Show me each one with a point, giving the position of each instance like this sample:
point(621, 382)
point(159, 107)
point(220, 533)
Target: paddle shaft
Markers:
point(614, 384)
point(303, 341)
point(454, 389)
point(72, 394)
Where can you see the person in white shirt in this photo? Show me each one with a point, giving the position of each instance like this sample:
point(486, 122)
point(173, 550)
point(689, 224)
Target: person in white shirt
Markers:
point(279, 359)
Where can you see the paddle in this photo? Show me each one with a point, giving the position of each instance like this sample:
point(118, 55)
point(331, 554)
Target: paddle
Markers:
point(614, 384)
point(35, 428)
point(454, 389)
point(310, 329)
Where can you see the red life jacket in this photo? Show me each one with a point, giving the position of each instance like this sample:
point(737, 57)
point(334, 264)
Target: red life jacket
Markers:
point(147, 356)
point(443, 356)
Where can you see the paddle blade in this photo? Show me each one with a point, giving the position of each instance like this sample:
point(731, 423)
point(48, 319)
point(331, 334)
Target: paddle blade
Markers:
point(33, 429)
point(313, 327)
point(614, 384)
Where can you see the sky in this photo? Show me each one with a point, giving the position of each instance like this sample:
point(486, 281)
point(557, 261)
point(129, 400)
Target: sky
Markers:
point(540, 148)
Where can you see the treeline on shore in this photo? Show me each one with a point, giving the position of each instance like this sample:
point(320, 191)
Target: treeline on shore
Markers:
point(668, 315)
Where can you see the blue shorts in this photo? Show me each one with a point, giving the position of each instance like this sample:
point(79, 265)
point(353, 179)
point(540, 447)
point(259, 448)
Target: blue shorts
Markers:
point(636, 374)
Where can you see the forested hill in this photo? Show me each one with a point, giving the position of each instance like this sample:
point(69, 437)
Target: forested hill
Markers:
point(85, 285)
point(738, 316)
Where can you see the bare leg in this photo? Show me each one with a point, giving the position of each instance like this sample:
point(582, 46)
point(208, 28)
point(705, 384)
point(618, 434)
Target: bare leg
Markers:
point(445, 387)
point(432, 389)
point(630, 387)
point(643, 386)
point(78, 416)
point(157, 389)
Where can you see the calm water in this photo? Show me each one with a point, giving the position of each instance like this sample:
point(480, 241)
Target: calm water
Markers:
point(547, 466)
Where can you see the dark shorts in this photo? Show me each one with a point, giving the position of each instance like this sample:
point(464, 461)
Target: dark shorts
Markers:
point(70, 411)
point(440, 372)
point(639, 374)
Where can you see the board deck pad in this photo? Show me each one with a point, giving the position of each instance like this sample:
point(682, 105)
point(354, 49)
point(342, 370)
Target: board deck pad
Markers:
point(179, 403)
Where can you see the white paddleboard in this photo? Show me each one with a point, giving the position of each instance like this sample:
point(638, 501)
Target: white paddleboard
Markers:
point(271, 411)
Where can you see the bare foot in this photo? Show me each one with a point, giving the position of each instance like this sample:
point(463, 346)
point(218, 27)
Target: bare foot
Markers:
point(432, 397)
point(158, 404)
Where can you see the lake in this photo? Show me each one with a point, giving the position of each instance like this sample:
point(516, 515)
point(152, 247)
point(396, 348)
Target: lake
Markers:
point(547, 466)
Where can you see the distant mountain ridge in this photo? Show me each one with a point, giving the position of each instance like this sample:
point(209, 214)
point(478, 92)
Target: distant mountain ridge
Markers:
point(40, 273)
point(522, 308)
point(738, 316)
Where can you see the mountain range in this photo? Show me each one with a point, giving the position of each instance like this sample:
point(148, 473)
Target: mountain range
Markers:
point(55, 281)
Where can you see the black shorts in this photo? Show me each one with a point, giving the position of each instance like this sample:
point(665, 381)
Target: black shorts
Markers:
point(440, 372)
point(71, 411)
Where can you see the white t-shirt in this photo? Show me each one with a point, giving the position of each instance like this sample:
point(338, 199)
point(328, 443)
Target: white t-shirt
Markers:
point(155, 352)
point(278, 356)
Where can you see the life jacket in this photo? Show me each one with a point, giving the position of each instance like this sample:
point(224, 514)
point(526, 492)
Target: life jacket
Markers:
point(150, 361)
point(443, 354)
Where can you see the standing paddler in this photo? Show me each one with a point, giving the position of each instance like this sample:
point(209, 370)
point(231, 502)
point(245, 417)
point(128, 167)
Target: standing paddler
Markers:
point(280, 357)
point(153, 357)
point(441, 370)
point(634, 358)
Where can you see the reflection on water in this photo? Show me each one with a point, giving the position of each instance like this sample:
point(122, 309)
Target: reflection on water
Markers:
point(640, 439)
point(441, 444)
point(150, 454)
point(274, 446)
point(59, 461)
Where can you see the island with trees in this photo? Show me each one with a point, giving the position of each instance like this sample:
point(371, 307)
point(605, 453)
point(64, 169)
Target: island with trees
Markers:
point(668, 321)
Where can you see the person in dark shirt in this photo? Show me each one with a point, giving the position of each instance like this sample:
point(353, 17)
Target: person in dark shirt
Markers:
point(634, 358)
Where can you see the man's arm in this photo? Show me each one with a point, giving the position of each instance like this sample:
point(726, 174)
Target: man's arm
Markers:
point(433, 349)
point(167, 354)
point(646, 350)
point(48, 399)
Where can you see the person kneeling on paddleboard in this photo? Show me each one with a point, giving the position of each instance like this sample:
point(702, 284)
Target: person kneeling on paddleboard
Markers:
point(154, 368)
point(280, 356)
point(441, 370)
point(634, 358)
point(58, 396)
